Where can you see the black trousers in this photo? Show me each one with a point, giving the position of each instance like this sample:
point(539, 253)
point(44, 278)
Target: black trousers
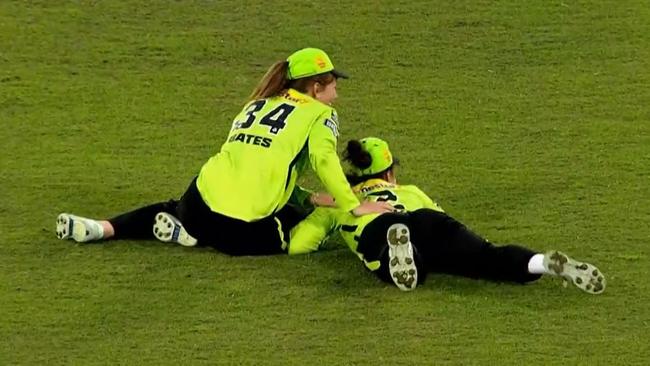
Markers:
point(226, 234)
point(444, 245)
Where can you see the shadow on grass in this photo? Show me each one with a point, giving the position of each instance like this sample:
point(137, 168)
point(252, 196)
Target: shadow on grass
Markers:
point(331, 273)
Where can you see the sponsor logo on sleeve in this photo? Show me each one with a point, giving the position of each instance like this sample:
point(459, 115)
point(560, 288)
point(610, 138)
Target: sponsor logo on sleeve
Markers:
point(332, 126)
point(335, 117)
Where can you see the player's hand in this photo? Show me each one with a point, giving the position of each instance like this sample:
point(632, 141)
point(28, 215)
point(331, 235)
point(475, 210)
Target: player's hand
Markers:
point(322, 199)
point(370, 207)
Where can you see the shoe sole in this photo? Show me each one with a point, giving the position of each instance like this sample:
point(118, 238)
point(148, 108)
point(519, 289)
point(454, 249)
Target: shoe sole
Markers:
point(168, 229)
point(67, 227)
point(585, 276)
point(401, 263)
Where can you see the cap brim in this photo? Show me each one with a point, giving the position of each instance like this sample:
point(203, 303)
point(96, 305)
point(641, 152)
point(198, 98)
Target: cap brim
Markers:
point(339, 75)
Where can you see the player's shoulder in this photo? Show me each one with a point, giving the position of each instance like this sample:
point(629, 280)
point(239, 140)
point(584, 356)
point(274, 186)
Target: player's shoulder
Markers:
point(407, 187)
point(306, 102)
point(325, 111)
point(411, 188)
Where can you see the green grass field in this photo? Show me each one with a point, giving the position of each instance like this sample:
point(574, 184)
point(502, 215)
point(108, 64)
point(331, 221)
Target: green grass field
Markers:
point(528, 121)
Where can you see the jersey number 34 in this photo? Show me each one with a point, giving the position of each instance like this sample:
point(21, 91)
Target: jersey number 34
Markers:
point(275, 119)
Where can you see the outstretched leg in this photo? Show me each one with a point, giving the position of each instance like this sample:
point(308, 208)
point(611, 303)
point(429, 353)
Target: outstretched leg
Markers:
point(448, 246)
point(136, 224)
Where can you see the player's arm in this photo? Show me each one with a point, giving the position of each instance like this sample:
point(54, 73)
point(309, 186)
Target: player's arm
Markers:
point(305, 198)
point(325, 161)
point(301, 197)
point(311, 232)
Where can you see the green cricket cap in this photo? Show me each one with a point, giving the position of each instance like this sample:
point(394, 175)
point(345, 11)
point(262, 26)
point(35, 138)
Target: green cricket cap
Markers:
point(309, 62)
point(380, 155)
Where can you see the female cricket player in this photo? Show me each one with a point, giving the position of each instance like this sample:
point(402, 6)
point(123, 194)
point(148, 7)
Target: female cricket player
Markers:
point(404, 246)
point(238, 202)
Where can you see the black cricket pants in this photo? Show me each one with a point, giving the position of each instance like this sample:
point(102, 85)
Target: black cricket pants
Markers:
point(226, 234)
point(444, 245)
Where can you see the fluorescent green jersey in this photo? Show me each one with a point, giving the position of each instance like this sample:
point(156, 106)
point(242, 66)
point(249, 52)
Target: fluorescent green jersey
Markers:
point(270, 144)
point(308, 235)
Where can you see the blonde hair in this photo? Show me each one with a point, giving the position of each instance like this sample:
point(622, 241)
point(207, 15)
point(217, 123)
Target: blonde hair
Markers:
point(275, 81)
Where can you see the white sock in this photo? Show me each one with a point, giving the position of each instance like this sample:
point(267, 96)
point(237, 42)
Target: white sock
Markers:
point(94, 227)
point(536, 264)
point(99, 230)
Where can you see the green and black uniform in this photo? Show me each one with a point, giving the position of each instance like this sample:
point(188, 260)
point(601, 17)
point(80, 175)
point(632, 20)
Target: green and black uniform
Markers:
point(271, 143)
point(248, 183)
point(238, 202)
point(441, 243)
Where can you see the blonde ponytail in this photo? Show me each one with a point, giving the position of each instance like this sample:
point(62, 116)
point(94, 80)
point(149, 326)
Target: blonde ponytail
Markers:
point(273, 82)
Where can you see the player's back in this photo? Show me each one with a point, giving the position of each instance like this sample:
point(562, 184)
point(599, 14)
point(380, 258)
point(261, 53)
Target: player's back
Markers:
point(252, 175)
point(402, 197)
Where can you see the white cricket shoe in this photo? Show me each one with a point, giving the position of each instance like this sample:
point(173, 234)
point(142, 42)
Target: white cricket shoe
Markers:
point(167, 228)
point(584, 275)
point(77, 228)
point(401, 262)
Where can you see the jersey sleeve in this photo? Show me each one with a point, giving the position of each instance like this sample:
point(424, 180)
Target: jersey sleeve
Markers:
point(311, 232)
point(325, 161)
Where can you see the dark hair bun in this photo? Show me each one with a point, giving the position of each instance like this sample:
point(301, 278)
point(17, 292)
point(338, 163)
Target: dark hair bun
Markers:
point(356, 155)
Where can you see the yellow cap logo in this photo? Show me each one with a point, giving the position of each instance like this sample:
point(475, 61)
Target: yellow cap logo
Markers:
point(387, 156)
point(320, 62)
